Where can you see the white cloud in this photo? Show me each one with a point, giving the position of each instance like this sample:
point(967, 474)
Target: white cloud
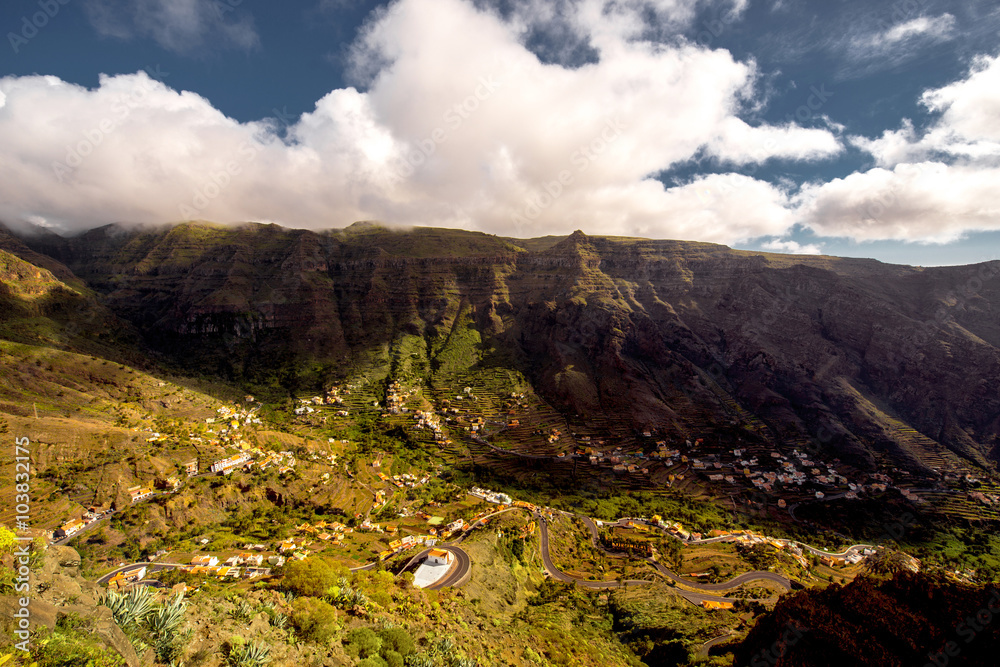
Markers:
point(893, 147)
point(177, 25)
point(741, 144)
point(792, 247)
point(971, 107)
point(927, 201)
point(940, 28)
point(459, 125)
point(922, 29)
point(967, 127)
point(933, 185)
point(866, 47)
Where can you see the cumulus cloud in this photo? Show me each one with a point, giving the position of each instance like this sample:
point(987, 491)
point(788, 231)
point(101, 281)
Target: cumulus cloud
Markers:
point(792, 247)
point(967, 127)
point(933, 185)
point(177, 25)
point(457, 123)
point(971, 107)
point(926, 201)
point(739, 143)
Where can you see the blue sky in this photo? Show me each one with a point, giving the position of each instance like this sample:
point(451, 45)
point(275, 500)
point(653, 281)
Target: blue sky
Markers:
point(844, 127)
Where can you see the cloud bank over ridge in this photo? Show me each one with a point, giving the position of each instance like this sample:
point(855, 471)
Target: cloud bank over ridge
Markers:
point(456, 122)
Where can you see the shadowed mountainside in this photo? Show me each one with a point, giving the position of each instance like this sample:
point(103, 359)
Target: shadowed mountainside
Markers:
point(908, 620)
point(869, 359)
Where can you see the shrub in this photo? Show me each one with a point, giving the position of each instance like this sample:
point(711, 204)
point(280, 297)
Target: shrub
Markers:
point(314, 620)
point(362, 642)
point(71, 648)
point(397, 640)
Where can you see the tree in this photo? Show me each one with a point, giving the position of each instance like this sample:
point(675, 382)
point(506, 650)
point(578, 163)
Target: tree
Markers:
point(6, 540)
point(886, 562)
point(312, 577)
point(672, 552)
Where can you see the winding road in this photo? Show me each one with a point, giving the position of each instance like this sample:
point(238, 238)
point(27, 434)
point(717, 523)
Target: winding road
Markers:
point(701, 592)
point(457, 574)
point(736, 581)
point(461, 570)
point(559, 575)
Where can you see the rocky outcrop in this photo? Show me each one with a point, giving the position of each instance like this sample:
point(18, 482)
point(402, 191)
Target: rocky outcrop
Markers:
point(59, 590)
point(102, 625)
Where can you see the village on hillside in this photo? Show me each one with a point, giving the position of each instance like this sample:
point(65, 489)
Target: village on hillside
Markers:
point(477, 419)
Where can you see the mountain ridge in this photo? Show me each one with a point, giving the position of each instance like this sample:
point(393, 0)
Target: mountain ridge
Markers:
point(840, 351)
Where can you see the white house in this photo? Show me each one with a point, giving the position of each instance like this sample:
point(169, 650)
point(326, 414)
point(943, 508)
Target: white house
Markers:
point(439, 557)
point(206, 561)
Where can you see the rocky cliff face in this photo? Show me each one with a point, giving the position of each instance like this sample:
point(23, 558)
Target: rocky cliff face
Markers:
point(59, 590)
point(865, 358)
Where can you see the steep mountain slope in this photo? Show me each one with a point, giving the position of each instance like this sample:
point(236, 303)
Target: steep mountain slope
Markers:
point(907, 620)
point(865, 359)
point(43, 303)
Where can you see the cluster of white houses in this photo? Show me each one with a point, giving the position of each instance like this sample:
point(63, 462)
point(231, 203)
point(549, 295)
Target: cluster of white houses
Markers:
point(285, 461)
point(404, 481)
point(229, 464)
point(489, 496)
point(428, 420)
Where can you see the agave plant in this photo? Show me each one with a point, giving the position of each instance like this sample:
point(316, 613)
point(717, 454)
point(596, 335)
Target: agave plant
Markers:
point(129, 609)
point(276, 618)
point(249, 655)
point(444, 646)
point(165, 619)
point(134, 612)
point(418, 660)
point(243, 610)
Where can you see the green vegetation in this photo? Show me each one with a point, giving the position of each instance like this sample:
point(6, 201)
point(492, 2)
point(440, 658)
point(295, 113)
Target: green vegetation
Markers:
point(470, 336)
point(662, 629)
point(313, 577)
point(148, 625)
point(243, 654)
point(314, 620)
point(72, 644)
point(938, 541)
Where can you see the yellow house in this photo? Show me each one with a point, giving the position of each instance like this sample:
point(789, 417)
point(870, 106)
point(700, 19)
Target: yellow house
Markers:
point(716, 604)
